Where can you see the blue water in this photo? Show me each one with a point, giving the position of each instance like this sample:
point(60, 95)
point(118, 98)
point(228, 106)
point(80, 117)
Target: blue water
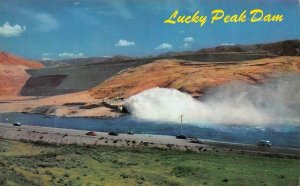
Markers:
point(279, 135)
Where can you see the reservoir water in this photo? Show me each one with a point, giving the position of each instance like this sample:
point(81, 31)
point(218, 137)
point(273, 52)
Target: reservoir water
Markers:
point(280, 135)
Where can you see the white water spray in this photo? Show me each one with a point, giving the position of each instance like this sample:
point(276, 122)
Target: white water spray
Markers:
point(276, 102)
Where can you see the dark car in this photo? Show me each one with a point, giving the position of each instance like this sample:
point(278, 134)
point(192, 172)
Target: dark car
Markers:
point(91, 133)
point(196, 141)
point(113, 134)
point(17, 124)
point(181, 137)
point(264, 143)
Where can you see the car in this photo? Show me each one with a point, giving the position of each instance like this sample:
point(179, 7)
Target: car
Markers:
point(130, 133)
point(264, 143)
point(196, 141)
point(113, 134)
point(91, 133)
point(181, 137)
point(17, 124)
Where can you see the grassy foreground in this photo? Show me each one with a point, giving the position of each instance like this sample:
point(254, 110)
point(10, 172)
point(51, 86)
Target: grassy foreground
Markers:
point(41, 164)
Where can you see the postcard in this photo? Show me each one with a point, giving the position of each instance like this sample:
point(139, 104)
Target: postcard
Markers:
point(159, 92)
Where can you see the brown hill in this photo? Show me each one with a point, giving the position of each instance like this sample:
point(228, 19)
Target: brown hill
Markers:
point(13, 73)
point(283, 48)
point(192, 77)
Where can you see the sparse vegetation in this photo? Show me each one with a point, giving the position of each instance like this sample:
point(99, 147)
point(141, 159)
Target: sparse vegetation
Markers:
point(23, 163)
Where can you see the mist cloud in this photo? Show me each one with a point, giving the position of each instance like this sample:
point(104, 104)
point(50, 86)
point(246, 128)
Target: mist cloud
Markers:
point(276, 102)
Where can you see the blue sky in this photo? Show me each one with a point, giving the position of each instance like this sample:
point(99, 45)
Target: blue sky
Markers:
point(58, 29)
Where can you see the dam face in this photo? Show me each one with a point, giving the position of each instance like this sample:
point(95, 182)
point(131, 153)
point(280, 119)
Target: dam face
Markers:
point(61, 80)
point(75, 78)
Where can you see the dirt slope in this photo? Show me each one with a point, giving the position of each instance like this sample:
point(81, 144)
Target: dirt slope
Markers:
point(13, 74)
point(192, 77)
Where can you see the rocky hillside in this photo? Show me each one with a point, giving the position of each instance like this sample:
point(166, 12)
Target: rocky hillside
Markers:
point(193, 77)
point(283, 48)
point(13, 73)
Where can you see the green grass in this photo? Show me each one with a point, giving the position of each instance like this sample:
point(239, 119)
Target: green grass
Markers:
point(43, 164)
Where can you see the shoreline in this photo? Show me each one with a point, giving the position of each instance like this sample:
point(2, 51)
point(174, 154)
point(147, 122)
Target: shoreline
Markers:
point(79, 137)
point(60, 106)
point(71, 116)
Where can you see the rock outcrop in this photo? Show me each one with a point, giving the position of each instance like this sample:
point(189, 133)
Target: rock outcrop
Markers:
point(13, 73)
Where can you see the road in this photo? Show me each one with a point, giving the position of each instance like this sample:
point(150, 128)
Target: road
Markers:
point(79, 137)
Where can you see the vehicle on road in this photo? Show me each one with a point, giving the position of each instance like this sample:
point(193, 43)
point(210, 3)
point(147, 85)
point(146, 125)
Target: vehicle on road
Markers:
point(181, 137)
point(17, 124)
point(196, 141)
point(91, 133)
point(130, 132)
point(113, 134)
point(264, 143)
